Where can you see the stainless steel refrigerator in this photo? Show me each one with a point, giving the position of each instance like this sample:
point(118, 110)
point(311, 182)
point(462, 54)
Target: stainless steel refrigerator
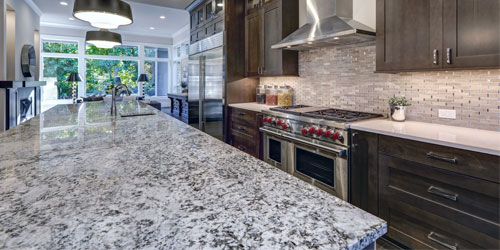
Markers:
point(205, 84)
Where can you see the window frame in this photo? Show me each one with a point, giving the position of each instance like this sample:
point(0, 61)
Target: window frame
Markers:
point(82, 58)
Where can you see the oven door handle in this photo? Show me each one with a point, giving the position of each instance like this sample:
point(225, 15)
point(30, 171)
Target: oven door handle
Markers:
point(340, 152)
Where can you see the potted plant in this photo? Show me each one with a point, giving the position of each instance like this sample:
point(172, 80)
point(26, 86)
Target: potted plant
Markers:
point(398, 108)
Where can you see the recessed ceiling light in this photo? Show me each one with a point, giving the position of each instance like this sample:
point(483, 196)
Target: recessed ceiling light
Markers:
point(220, 5)
point(71, 19)
point(151, 28)
point(336, 38)
point(63, 3)
point(162, 17)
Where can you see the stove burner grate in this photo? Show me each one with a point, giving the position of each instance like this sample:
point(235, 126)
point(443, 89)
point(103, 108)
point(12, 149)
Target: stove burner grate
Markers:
point(341, 115)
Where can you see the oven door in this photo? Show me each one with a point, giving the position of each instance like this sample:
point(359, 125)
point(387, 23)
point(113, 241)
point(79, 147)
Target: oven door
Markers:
point(275, 150)
point(322, 166)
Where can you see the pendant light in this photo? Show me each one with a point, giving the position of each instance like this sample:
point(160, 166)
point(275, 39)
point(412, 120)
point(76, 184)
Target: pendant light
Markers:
point(103, 39)
point(104, 14)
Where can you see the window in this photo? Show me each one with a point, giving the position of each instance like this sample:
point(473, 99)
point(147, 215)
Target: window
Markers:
point(60, 47)
point(162, 53)
point(149, 52)
point(99, 67)
point(150, 70)
point(200, 16)
point(129, 51)
point(55, 72)
point(101, 74)
point(208, 10)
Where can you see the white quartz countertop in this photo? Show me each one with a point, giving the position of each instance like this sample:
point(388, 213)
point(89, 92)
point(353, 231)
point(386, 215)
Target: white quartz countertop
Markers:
point(252, 106)
point(76, 177)
point(478, 140)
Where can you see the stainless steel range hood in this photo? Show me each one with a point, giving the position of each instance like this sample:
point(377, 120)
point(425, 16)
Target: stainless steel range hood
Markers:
point(330, 23)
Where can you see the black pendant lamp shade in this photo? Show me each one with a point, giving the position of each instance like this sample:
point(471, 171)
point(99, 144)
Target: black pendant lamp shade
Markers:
point(103, 38)
point(143, 78)
point(74, 77)
point(104, 14)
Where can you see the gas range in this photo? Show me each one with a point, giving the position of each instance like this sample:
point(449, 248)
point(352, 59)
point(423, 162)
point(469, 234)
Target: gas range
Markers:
point(319, 124)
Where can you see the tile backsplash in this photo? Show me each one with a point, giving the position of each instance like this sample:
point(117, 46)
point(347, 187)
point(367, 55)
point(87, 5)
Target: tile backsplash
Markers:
point(344, 77)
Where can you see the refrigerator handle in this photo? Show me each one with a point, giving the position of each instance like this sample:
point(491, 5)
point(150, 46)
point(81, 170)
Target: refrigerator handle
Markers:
point(202, 118)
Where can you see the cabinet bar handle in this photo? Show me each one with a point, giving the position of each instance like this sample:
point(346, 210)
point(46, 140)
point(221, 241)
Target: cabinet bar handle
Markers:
point(435, 57)
point(443, 193)
point(432, 237)
point(438, 157)
point(242, 113)
point(242, 148)
point(448, 55)
point(242, 128)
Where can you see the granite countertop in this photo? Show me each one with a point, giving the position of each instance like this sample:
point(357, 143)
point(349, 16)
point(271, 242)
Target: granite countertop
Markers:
point(252, 106)
point(478, 140)
point(75, 177)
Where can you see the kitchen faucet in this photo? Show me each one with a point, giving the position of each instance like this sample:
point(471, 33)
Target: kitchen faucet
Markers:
point(113, 97)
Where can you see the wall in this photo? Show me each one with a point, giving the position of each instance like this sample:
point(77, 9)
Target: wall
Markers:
point(58, 31)
point(343, 77)
point(27, 21)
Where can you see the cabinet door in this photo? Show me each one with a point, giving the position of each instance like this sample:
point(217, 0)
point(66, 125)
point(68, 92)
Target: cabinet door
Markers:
point(273, 62)
point(364, 171)
point(409, 33)
point(471, 33)
point(253, 43)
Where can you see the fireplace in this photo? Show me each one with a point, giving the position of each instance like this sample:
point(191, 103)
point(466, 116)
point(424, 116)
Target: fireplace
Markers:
point(19, 102)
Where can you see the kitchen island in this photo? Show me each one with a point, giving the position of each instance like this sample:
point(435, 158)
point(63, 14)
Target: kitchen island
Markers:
point(76, 177)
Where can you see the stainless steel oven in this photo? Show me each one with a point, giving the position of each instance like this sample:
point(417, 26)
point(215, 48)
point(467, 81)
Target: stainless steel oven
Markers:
point(275, 151)
point(321, 164)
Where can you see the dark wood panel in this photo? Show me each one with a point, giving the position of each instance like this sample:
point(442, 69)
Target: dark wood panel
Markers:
point(418, 229)
point(472, 33)
point(254, 43)
point(244, 116)
point(364, 171)
point(464, 200)
point(244, 128)
point(408, 32)
point(470, 163)
point(245, 144)
point(273, 61)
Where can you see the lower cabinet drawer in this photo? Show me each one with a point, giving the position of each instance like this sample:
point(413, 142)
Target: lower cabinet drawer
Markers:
point(442, 200)
point(245, 144)
point(244, 129)
point(418, 229)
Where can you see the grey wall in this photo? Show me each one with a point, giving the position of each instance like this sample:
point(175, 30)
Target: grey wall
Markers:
point(27, 21)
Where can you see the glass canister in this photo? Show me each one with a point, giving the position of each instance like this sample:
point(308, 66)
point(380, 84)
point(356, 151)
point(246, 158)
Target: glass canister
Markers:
point(285, 96)
point(272, 96)
point(261, 94)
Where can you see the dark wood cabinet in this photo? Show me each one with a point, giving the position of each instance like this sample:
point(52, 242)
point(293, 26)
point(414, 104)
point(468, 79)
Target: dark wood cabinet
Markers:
point(421, 35)
point(264, 27)
point(207, 19)
point(244, 131)
point(432, 196)
point(471, 31)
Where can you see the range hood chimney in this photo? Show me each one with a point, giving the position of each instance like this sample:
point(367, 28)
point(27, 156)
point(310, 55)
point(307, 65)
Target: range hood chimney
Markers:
point(330, 23)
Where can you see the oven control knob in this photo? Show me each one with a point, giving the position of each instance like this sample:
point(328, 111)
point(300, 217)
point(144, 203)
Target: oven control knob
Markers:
point(328, 133)
point(284, 126)
point(312, 130)
point(264, 119)
point(279, 123)
point(319, 132)
point(270, 120)
point(336, 135)
point(304, 131)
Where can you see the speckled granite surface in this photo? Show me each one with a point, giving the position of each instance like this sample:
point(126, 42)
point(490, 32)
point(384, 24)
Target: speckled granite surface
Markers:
point(76, 178)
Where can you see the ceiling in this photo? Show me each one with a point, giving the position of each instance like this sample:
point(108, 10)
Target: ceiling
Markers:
point(146, 15)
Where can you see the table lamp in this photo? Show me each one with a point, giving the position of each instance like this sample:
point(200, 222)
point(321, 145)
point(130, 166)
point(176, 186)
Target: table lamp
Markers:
point(74, 77)
point(143, 78)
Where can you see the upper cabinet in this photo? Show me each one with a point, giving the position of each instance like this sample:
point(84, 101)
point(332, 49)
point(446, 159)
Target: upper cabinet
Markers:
point(207, 19)
point(420, 35)
point(265, 26)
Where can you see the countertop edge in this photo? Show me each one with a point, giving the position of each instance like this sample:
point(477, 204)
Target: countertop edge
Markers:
point(427, 140)
point(370, 238)
point(251, 106)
